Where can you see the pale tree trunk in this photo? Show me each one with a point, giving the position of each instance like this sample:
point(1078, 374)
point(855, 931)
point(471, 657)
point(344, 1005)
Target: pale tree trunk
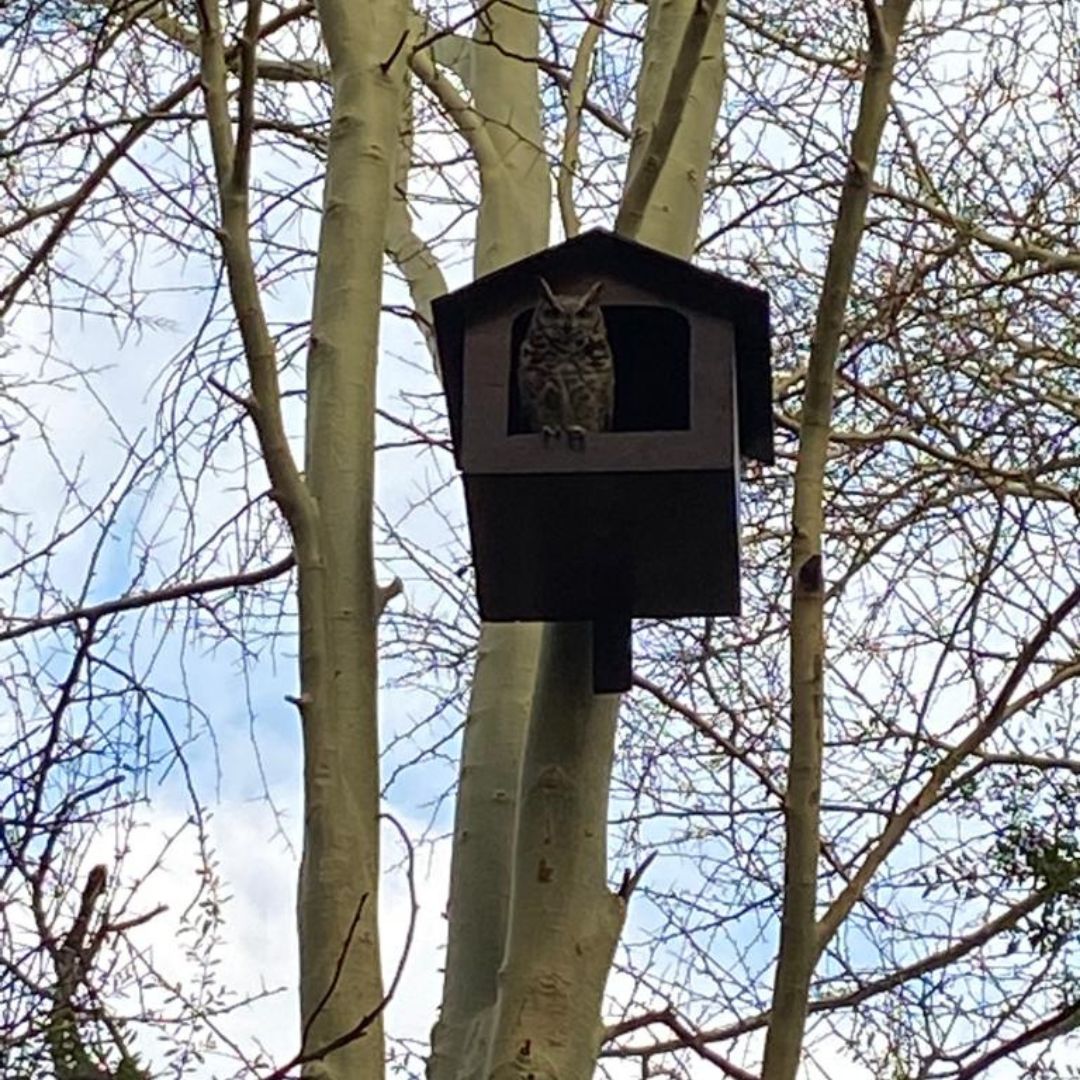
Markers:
point(329, 509)
point(564, 922)
point(340, 976)
point(513, 222)
point(408, 251)
point(679, 91)
point(801, 938)
point(556, 930)
point(481, 866)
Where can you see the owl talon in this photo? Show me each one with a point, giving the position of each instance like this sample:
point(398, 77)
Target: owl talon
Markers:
point(575, 437)
point(549, 433)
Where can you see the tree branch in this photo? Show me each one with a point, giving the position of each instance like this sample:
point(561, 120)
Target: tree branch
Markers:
point(1066, 1019)
point(685, 1036)
point(70, 206)
point(362, 1025)
point(230, 162)
point(245, 106)
point(917, 970)
point(933, 789)
point(576, 92)
point(164, 595)
point(465, 118)
point(640, 188)
point(799, 937)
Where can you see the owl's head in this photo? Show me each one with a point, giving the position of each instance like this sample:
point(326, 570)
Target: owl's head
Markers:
point(571, 313)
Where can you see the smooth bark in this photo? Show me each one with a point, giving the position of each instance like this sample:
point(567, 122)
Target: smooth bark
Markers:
point(562, 939)
point(798, 934)
point(484, 820)
point(546, 1019)
point(340, 978)
point(564, 921)
point(329, 508)
point(513, 222)
point(671, 150)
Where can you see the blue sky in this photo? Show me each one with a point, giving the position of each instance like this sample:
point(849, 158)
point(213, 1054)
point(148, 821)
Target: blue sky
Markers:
point(253, 843)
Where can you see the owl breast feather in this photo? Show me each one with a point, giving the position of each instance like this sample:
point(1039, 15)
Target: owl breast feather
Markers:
point(566, 373)
point(561, 388)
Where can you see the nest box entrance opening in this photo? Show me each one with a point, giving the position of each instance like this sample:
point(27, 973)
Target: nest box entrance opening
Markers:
point(651, 347)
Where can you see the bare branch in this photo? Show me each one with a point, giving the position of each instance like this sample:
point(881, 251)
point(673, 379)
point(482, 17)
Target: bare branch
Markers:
point(69, 207)
point(167, 594)
point(933, 789)
point(640, 188)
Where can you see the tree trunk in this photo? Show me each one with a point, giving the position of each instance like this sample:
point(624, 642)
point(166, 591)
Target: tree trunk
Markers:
point(564, 922)
point(799, 935)
point(513, 222)
point(670, 217)
point(556, 931)
point(340, 976)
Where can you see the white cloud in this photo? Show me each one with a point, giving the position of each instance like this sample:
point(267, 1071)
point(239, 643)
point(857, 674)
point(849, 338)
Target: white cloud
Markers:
point(258, 949)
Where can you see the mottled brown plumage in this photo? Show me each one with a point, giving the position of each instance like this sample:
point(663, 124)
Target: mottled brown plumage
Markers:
point(566, 372)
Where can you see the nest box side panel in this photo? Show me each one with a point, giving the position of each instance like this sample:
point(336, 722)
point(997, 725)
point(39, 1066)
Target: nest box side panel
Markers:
point(689, 427)
point(587, 546)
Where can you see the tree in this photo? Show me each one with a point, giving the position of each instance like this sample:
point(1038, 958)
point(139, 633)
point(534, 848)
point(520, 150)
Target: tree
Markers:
point(867, 838)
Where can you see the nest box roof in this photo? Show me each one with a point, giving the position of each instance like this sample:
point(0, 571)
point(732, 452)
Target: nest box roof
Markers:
point(667, 277)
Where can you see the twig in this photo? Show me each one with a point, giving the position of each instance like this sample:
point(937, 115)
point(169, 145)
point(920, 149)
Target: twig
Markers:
point(245, 110)
point(932, 791)
point(388, 63)
point(365, 1022)
point(159, 596)
point(453, 28)
point(74, 203)
point(687, 1037)
point(631, 879)
point(237, 399)
point(339, 967)
point(1064, 1020)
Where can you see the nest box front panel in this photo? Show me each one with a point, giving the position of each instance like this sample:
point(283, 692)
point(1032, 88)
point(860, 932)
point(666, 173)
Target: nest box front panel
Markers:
point(579, 547)
point(674, 388)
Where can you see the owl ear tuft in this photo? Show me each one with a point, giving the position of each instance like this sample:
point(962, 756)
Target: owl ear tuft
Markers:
point(592, 295)
point(545, 288)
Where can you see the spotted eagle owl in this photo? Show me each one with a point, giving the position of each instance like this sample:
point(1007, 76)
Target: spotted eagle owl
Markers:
point(566, 373)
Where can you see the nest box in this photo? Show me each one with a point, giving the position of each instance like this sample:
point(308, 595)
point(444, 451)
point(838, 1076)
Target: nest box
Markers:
point(643, 519)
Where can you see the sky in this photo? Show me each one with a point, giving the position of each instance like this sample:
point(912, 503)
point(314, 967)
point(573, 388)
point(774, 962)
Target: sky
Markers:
point(254, 847)
point(252, 823)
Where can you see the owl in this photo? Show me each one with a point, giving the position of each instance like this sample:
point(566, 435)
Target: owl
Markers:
point(566, 371)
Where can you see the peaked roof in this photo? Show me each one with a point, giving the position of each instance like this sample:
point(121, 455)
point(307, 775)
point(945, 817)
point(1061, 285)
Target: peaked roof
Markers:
point(663, 275)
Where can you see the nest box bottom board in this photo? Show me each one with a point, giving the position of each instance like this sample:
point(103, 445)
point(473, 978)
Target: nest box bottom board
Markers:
point(570, 547)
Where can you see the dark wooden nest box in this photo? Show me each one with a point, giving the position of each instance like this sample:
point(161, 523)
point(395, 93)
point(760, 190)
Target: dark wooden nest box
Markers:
point(643, 520)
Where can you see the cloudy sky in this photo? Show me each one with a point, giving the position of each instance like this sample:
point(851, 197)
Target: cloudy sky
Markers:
point(243, 749)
